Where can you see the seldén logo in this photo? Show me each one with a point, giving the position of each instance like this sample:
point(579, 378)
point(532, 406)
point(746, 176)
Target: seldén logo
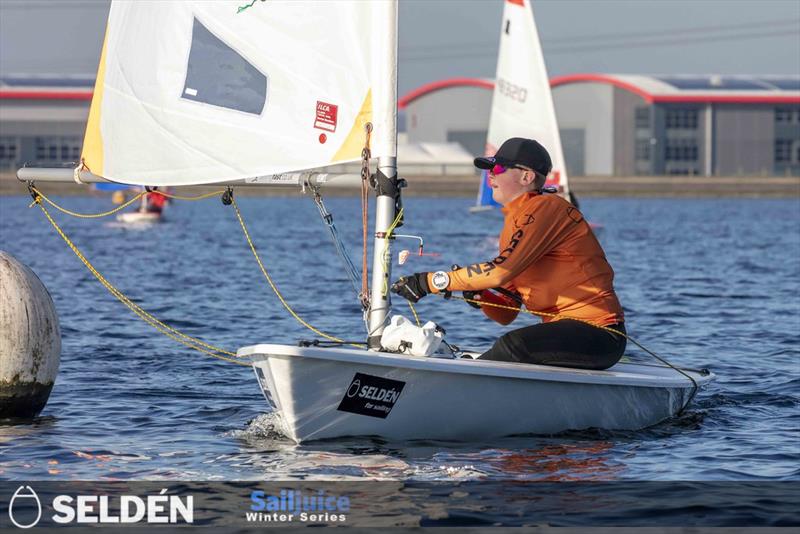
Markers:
point(20, 506)
point(25, 509)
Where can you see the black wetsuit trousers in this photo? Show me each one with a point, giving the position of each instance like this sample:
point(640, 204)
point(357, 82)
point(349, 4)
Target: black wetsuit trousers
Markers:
point(565, 343)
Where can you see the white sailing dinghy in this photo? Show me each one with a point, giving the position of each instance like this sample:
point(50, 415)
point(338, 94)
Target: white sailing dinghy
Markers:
point(141, 215)
point(196, 92)
point(522, 102)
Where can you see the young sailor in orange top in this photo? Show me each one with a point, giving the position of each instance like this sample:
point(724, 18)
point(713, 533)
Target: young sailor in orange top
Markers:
point(549, 260)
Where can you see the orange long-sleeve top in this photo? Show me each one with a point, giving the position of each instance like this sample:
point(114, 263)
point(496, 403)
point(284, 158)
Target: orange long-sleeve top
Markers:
point(550, 255)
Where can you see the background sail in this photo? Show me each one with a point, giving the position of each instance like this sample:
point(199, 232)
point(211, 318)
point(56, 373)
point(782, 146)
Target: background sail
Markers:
point(192, 92)
point(522, 105)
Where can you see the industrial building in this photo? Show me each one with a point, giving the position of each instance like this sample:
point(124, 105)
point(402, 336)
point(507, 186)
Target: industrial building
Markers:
point(627, 125)
point(42, 120)
point(619, 125)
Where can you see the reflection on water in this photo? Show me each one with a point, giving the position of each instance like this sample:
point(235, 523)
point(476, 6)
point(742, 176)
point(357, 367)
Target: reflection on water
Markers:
point(560, 462)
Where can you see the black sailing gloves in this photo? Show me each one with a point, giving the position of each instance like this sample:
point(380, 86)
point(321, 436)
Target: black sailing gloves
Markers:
point(412, 287)
point(415, 287)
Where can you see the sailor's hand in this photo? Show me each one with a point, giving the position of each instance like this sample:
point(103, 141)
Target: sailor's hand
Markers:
point(473, 295)
point(412, 287)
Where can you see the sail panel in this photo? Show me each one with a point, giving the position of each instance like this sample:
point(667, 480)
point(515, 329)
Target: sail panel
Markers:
point(522, 104)
point(193, 92)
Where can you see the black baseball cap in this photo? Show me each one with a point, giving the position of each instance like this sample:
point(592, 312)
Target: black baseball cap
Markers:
point(519, 151)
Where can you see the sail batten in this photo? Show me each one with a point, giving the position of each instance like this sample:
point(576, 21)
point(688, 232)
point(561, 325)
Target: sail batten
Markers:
point(193, 92)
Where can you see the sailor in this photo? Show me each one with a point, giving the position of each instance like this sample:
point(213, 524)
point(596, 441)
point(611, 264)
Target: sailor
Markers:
point(549, 260)
point(155, 202)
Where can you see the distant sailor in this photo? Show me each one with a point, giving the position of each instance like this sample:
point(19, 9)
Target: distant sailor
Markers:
point(549, 260)
point(154, 202)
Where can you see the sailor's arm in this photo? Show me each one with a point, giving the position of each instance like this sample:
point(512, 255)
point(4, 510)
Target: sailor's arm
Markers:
point(523, 248)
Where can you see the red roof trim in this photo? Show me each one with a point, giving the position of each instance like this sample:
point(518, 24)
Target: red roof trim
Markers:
point(602, 78)
point(677, 98)
point(46, 95)
point(409, 97)
point(727, 99)
point(443, 84)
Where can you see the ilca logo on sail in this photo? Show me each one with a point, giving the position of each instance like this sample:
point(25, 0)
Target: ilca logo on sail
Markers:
point(24, 508)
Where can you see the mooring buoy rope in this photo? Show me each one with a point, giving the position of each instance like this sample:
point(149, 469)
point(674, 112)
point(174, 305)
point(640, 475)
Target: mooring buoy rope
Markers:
point(160, 326)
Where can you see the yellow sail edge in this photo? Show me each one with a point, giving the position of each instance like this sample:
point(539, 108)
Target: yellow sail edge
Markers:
point(354, 143)
point(92, 153)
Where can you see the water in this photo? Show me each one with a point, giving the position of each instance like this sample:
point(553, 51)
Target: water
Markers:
point(707, 283)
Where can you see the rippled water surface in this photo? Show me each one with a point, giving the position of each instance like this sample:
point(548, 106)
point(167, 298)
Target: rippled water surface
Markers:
point(707, 283)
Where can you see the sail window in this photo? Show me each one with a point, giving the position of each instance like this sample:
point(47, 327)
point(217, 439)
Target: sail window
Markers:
point(217, 74)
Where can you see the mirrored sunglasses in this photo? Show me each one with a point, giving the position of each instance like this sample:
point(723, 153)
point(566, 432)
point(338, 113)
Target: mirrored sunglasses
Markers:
point(499, 169)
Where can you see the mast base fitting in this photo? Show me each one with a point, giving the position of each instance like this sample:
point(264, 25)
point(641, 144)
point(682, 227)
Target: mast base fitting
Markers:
point(374, 343)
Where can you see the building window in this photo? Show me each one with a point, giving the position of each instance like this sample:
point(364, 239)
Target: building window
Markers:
point(681, 118)
point(643, 149)
point(785, 115)
point(681, 150)
point(8, 152)
point(58, 149)
point(783, 151)
point(642, 118)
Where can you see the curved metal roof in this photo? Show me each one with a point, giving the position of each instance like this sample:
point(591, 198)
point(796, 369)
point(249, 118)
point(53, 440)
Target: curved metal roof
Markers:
point(658, 89)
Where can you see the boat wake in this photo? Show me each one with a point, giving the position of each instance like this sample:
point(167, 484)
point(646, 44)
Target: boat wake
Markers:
point(267, 426)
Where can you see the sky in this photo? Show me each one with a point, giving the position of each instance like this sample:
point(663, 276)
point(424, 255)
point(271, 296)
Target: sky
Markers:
point(442, 39)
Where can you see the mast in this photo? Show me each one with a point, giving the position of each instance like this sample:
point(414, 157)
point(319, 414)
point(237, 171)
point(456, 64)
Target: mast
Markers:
point(387, 193)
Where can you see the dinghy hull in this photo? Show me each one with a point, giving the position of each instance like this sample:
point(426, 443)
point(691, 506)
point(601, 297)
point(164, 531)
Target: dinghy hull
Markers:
point(322, 393)
point(138, 217)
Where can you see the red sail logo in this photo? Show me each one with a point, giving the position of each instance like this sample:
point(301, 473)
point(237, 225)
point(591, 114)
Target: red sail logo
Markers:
point(327, 115)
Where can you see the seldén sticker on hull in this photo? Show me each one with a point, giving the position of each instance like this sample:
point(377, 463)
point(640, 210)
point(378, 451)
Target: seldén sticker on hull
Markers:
point(372, 396)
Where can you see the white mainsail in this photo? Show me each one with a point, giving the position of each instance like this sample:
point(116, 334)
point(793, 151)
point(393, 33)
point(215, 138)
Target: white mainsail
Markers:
point(193, 92)
point(522, 105)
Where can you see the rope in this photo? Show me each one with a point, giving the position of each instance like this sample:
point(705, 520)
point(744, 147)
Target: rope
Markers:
point(327, 217)
point(162, 327)
point(414, 311)
point(38, 194)
point(181, 197)
point(272, 284)
point(695, 386)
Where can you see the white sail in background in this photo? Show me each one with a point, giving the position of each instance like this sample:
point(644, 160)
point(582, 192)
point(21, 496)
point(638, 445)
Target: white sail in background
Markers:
point(522, 105)
point(192, 91)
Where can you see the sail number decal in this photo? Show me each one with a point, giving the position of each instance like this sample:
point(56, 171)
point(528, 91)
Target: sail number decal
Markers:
point(369, 395)
point(512, 90)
